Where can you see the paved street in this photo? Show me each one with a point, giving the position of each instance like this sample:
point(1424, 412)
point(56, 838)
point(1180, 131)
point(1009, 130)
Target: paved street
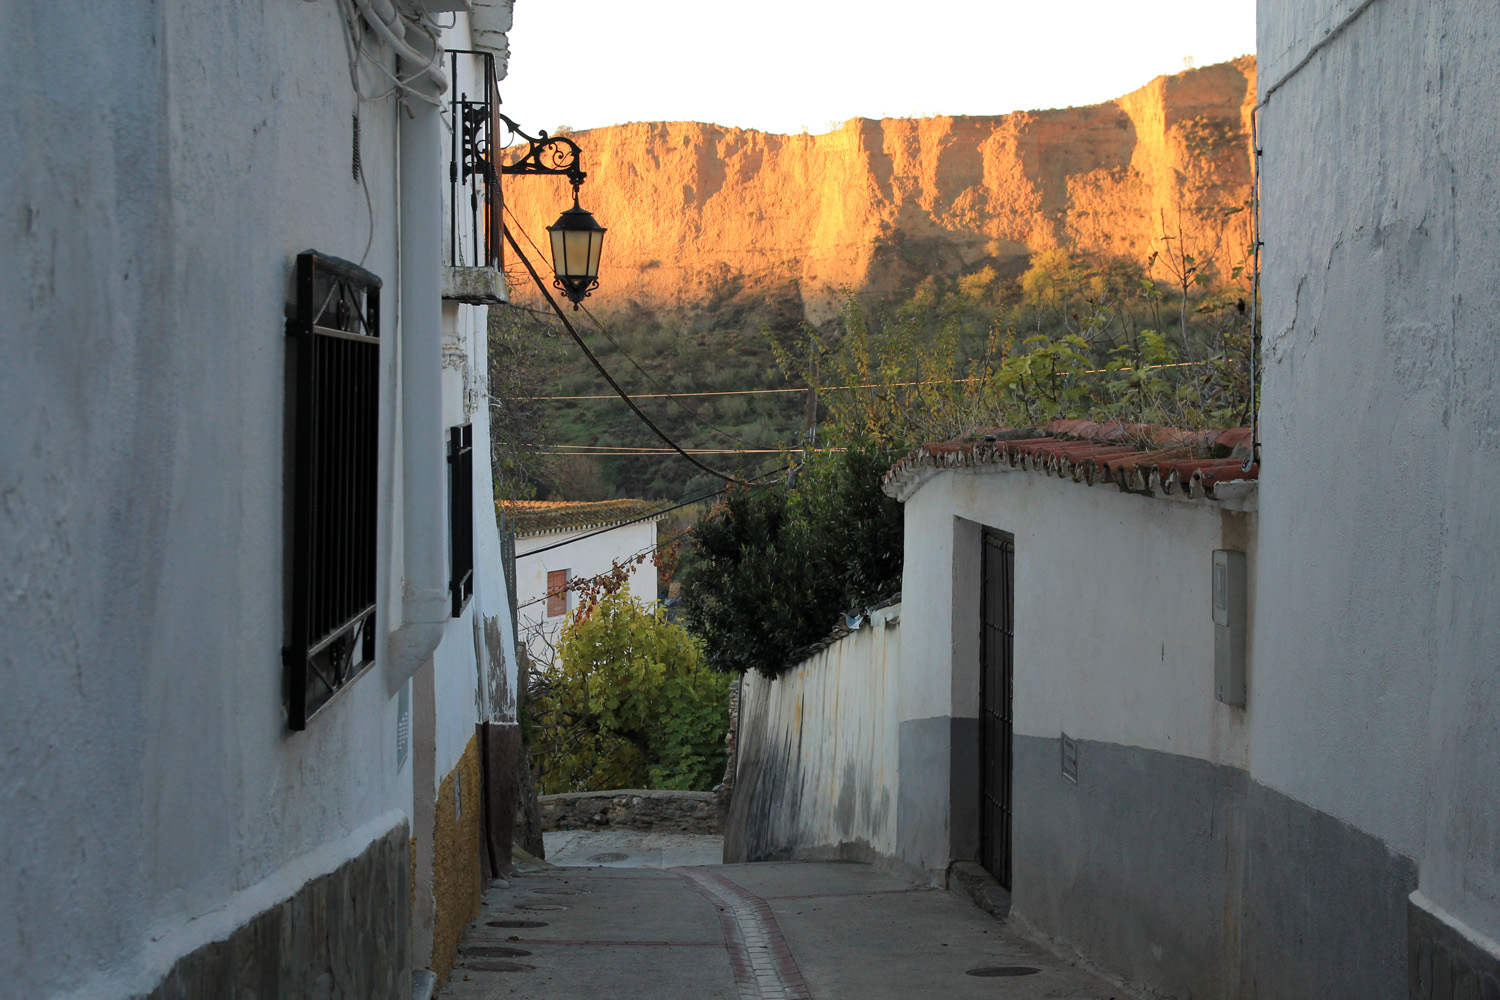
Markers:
point(822, 930)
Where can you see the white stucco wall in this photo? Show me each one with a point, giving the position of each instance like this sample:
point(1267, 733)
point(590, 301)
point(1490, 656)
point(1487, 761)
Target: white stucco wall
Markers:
point(823, 737)
point(1380, 531)
point(583, 558)
point(1114, 633)
point(151, 797)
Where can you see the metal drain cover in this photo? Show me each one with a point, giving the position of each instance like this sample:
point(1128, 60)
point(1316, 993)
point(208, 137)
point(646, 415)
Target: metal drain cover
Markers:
point(560, 892)
point(608, 856)
point(1003, 970)
point(516, 923)
point(495, 966)
point(494, 951)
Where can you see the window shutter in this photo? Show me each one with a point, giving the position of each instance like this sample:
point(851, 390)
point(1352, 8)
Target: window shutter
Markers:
point(557, 596)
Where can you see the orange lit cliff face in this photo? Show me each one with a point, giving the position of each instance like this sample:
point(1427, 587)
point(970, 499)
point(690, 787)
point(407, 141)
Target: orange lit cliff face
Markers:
point(698, 212)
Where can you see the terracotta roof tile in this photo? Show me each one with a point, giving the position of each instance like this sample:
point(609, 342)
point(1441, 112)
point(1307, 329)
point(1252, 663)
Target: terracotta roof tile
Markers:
point(535, 517)
point(1137, 458)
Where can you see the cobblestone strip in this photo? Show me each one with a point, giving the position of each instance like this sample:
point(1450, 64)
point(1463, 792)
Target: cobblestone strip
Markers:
point(763, 965)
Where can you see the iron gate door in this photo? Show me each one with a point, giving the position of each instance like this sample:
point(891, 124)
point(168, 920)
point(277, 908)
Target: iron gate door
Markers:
point(996, 681)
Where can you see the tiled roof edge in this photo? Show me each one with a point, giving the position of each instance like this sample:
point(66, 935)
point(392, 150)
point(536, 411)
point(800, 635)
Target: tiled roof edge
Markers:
point(1093, 454)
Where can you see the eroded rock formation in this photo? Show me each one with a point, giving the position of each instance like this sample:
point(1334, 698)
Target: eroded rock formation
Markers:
point(702, 213)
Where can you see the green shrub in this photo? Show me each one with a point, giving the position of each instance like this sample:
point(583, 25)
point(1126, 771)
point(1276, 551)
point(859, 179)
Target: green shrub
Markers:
point(630, 705)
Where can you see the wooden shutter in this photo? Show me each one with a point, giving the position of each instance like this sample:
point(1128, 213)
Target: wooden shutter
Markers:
point(557, 597)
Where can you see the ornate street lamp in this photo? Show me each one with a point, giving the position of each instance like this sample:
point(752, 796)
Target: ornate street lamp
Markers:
point(576, 242)
point(577, 239)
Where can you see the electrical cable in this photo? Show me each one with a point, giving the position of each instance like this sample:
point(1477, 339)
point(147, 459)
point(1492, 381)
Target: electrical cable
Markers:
point(636, 364)
point(648, 517)
point(866, 385)
point(577, 339)
point(656, 382)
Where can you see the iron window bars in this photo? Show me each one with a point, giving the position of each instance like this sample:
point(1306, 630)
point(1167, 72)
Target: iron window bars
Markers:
point(461, 514)
point(334, 383)
point(474, 236)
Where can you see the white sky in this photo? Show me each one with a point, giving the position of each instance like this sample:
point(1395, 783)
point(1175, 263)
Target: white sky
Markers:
point(782, 65)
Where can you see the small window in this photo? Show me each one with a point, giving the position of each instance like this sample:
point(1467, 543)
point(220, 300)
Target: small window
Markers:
point(333, 440)
point(557, 592)
point(461, 514)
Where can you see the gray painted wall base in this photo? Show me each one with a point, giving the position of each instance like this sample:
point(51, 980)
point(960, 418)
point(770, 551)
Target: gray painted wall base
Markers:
point(1194, 880)
point(1445, 965)
point(937, 793)
point(344, 936)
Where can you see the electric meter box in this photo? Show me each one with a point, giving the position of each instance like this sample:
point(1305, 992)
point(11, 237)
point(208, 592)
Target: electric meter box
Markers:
point(1229, 626)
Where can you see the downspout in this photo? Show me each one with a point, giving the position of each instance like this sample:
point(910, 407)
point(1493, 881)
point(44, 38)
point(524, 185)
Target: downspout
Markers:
point(425, 602)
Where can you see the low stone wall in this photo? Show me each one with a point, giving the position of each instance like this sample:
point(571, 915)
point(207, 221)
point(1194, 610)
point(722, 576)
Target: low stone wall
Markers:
point(633, 809)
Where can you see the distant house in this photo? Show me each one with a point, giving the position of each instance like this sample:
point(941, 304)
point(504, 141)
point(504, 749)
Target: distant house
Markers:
point(560, 542)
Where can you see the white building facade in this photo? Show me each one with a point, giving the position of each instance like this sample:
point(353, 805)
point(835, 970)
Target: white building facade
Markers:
point(560, 542)
point(1336, 834)
point(254, 619)
point(1377, 622)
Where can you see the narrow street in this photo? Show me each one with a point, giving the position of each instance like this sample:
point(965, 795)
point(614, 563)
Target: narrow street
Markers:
point(778, 931)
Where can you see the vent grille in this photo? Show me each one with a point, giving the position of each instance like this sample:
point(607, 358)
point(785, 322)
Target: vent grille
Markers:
point(1069, 758)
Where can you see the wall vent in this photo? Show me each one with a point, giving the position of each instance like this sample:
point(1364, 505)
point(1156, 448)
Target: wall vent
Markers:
point(1069, 758)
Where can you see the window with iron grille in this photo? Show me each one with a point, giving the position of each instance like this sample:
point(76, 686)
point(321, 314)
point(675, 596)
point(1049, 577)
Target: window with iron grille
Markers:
point(461, 514)
point(333, 375)
point(557, 593)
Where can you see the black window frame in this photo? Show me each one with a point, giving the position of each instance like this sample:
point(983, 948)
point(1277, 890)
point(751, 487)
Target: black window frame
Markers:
point(333, 438)
point(461, 515)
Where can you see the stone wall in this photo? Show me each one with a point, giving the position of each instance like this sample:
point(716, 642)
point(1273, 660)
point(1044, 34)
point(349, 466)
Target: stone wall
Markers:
point(457, 843)
point(344, 936)
point(633, 809)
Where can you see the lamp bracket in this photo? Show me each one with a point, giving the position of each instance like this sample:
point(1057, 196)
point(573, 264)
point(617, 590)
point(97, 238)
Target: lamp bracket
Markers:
point(546, 154)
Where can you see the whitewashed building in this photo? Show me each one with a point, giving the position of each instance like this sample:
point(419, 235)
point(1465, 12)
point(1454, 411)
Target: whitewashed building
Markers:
point(253, 625)
point(562, 542)
point(1223, 734)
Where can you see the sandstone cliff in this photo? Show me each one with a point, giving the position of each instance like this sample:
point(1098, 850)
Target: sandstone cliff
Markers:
point(701, 213)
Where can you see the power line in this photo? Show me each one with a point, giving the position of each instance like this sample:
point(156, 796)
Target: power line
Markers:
point(634, 363)
point(829, 388)
point(546, 293)
point(615, 451)
point(753, 484)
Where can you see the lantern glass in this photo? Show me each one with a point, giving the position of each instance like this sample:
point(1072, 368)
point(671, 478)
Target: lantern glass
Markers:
point(577, 242)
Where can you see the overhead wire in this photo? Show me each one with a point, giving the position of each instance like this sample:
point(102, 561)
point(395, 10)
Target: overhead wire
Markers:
point(828, 388)
point(598, 366)
point(634, 363)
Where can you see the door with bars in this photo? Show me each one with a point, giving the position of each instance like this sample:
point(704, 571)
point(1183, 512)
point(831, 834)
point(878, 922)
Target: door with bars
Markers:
point(996, 685)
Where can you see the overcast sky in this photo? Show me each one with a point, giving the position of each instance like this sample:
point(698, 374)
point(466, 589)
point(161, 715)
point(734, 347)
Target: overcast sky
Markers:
point(786, 65)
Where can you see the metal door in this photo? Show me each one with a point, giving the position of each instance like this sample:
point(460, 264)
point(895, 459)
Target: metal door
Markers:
point(996, 681)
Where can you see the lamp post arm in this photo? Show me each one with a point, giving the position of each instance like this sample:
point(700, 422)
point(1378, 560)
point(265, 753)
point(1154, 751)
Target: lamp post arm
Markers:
point(546, 154)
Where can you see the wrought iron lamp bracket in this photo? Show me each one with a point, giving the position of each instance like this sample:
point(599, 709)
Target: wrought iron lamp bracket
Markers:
point(546, 154)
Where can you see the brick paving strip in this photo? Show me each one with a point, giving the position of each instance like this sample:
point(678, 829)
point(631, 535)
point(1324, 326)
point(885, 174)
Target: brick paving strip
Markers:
point(763, 965)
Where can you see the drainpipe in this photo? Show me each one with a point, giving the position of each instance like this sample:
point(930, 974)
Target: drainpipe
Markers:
point(425, 602)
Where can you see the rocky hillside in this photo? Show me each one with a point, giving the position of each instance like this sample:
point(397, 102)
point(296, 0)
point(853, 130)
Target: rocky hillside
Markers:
point(717, 235)
point(699, 213)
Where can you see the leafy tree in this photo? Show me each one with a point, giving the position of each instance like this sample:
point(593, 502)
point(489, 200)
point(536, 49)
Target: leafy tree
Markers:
point(628, 705)
point(776, 566)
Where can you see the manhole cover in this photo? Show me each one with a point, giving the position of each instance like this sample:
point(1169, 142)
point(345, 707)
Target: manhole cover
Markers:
point(516, 923)
point(608, 856)
point(494, 966)
point(1003, 970)
point(494, 951)
point(540, 906)
point(560, 892)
